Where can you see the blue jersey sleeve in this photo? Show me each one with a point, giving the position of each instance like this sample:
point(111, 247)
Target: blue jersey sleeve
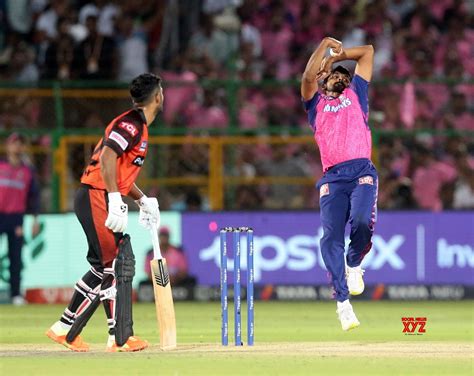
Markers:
point(310, 108)
point(361, 88)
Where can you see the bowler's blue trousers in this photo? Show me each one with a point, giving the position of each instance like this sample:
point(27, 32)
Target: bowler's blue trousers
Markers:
point(348, 192)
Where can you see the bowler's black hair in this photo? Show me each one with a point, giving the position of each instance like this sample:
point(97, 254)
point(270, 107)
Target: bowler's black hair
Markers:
point(339, 69)
point(143, 86)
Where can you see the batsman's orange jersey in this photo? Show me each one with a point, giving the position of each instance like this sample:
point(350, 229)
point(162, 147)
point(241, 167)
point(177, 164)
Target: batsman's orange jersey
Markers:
point(127, 135)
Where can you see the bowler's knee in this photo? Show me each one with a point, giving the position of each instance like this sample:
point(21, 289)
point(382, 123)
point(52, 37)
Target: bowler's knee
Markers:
point(361, 222)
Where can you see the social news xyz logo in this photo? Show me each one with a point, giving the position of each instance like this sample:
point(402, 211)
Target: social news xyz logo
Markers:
point(411, 324)
point(302, 253)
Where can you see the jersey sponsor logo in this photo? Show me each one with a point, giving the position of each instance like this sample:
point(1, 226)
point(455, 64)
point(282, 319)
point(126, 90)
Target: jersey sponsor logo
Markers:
point(366, 180)
point(143, 145)
point(119, 139)
point(324, 190)
point(129, 127)
point(345, 102)
point(138, 161)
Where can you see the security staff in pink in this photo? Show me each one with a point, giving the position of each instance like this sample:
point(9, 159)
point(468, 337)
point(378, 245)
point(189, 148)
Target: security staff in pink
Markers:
point(338, 117)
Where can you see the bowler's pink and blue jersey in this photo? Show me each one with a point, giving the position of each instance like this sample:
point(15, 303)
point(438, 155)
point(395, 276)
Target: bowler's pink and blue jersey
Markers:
point(340, 125)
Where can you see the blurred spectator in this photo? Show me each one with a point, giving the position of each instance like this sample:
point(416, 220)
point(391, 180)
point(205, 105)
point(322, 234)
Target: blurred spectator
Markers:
point(428, 177)
point(151, 16)
point(457, 115)
point(247, 197)
point(399, 9)
point(248, 65)
point(193, 201)
point(22, 67)
point(214, 6)
point(189, 160)
point(208, 114)
point(284, 165)
point(244, 165)
point(132, 49)
point(96, 56)
point(47, 20)
point(178, 97)
point(212, 42)
point(175, 260)
point(19, 194)
point(19, 16)
point(463, 193)
point(402, 196)
point(277, 38)
point(107, 13)
point(60, 54)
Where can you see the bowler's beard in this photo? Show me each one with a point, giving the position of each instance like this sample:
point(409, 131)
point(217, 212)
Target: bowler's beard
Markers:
point(338, 87)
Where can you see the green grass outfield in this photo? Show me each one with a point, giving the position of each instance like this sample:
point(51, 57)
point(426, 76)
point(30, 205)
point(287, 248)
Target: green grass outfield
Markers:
point(290, 339)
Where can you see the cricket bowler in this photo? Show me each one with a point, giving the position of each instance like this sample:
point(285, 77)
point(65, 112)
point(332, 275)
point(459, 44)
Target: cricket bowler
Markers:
point(111, 174)
point(338, 117)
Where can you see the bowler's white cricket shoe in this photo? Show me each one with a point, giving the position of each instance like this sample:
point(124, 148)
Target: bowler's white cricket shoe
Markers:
point(346, 315)
point(355, 280)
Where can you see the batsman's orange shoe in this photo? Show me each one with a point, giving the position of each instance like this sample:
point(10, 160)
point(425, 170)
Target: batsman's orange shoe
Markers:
point(59, 336)
point(132, 344)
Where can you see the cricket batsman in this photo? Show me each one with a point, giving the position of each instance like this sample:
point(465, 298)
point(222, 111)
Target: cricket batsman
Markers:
point(111, 174)
point(338, 116)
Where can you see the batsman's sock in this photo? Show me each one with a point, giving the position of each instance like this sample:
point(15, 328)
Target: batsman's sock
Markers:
point(59, 328)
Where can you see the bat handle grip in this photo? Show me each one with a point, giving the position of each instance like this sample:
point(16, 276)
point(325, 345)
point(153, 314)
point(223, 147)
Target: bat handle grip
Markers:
point(156, 243)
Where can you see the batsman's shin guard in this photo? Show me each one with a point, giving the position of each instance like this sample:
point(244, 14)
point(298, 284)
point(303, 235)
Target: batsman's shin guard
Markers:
point(83, 304)
point(84, 315)
point(82, 319)
point(124, 266)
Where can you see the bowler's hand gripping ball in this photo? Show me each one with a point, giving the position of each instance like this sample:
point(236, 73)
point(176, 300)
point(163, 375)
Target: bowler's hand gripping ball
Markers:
point(333, 53)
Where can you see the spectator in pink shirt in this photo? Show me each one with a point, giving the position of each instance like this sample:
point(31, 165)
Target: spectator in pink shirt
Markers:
point(179, 96)
point(209, 114)
point(276, 40)
point(463, 194)
point(428, 178)
point(457, 115)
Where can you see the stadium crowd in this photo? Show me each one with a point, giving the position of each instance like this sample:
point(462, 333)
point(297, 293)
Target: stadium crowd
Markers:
point(422, 81)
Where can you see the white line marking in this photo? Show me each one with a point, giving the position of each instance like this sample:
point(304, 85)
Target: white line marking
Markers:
point(420, 252)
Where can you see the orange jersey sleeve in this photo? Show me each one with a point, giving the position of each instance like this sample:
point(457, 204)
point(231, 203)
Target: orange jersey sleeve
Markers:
point(127, 135)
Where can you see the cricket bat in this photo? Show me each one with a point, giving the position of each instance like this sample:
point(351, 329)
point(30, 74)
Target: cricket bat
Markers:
point(163, 297)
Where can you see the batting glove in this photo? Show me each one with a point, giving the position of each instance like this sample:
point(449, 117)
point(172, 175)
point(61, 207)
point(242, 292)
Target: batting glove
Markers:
point(149, 212)
point(118, 213)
